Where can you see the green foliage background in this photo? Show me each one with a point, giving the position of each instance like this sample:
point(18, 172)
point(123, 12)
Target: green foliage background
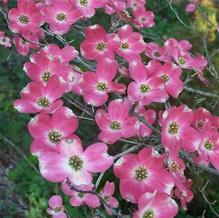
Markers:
point(23, 192)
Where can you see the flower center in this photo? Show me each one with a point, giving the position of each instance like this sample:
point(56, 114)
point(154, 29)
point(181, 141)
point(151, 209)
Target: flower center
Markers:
point(209, 145)
point(46, 76)
point(173, 128)
point(76, 163)
point(102, 86)
point(81, 194)
point(39, 1)
point(24, 19)
point(115, 125)
point(200, 124)
point(101, 46)
point(57, 209)
point(125, 45)
point(84, 2)
point(106, 198)
point(54, 136)
point(175, 166)
point(181, 60)
point(157, 54)
point(61, 17)
point(23, 41)
point(143, 19)
point(165, 77)
point(144, 88)
point(148, 214)
point(43, 102)
point(141, 174)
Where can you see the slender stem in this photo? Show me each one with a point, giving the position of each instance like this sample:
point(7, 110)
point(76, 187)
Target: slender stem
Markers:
point(129, 150)
point(78, 106)
point(142, 119)
point(197, 91)
point(202, 167)
point(210, 204)
point(16, 148)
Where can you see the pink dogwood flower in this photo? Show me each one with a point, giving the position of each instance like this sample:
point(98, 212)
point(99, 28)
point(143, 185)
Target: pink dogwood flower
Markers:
point(50, 130)
point(99, 44)
point(140, 173)
point(179, 50)
point(74, 163)
point(79, 198)
point(60, 15)
point(176, 167)
point(64, 55)
point(116, 122)
point(97, 86)
point(209, 148)
point(107, 194)
point(177, 131)
point(38, 147)
point(132, 43)
point(25, 18)
point(87, 7)
point(44, 69)
point(136, 4)
point(202, 119)
point(156, 205)
point(150, 116)
point(184, 193)
point(4, 40)
point(38, 98)
point(28, 42)
point(115, 6)
point(144, 18)
point(56, 209)
point(74, 80)
point(156, 52)
point(144, 89)
point(170, 74)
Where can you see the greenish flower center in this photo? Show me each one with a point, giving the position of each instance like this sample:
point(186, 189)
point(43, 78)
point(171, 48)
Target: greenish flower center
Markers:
point(106, 198)
point(165, 77)
point(209, 145)
point(58, 209)
point(76, 163)
point(61, 17)
point(181, 60)
point(24, 19)
point(23, 41)
point(101, 46)
point(102, 86)
point(54, 136)
point(125, 45)
point(84, 2)
point(148, 214)
point(157, 54)
point(175, 166)
point(46, 76)
point(39, 1)
point(115, 125)
point(81, 194)
point(143, 19)
point(173, 128)
point(144, 88)
point(141, 174)
point(43, 102)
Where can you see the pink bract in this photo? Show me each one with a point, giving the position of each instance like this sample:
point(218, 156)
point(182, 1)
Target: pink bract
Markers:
point(116, 122)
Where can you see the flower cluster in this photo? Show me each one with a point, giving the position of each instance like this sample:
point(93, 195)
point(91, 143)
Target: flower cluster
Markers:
point(121, 78)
